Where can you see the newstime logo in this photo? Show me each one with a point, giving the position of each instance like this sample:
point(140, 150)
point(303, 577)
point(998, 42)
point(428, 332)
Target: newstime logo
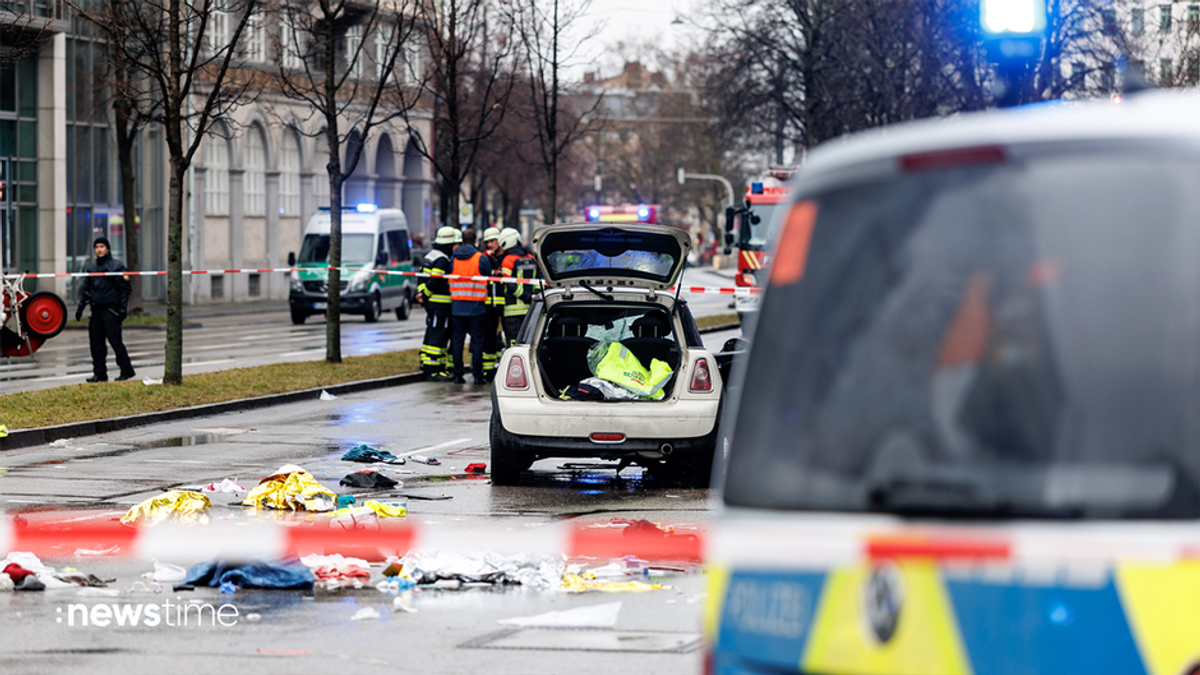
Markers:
point(124, 614)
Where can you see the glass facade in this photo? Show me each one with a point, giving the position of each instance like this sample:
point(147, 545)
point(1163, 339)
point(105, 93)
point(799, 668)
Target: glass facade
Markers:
point(18, 155)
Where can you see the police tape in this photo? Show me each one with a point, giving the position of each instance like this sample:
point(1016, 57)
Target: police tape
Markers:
point(64, 538)
point(695, 290)
point(812, 542)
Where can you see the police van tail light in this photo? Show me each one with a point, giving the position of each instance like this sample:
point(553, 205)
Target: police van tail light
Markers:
point(514, 375)
point(701, 378)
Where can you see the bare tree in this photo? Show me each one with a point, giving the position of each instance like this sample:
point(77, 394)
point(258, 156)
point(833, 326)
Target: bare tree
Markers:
point(544, 27)
point(325, 64)
point(470, 79)
point(186, 50)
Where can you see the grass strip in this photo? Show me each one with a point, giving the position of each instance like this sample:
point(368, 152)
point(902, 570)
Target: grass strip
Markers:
point(83, 402)
point(703, 322)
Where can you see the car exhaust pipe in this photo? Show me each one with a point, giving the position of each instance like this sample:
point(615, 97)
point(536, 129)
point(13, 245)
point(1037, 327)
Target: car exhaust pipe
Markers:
point(666, 449)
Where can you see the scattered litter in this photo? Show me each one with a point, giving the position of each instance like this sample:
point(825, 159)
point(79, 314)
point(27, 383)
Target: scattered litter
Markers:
point(582, 583)
point(97, 551)
point(696, 598)
point(151, 381)
point(368, 479)
point(366, 614)
point(182, 506)
point(326, 396)
point(3, 431)
point(166, 573)
point(372, 506)
point(29, 574)
point(394, 569)
point(253, 617)
point(345, 500)
point(91, 592)
point(291, 574)
point(291, 488)
point(228, 588)
point(596, 616)
point(395, 585)
point(426, 498)
point(448, 584)
point(431, 461)
point(61, 443)
point(143, 587)
point(476, 467)
point(81, 579)
point(366, 454)
point(226, 486)
point(403, 603)
point(540, 571)
point(325, 567)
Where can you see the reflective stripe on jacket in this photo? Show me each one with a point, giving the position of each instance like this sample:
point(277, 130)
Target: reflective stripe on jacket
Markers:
point(516, 296)
point(466, 290)
point(435, 289)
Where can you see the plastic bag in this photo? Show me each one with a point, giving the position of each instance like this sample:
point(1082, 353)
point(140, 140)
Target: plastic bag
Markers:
point(291, 488)
point(537, 570)
point(182, 506)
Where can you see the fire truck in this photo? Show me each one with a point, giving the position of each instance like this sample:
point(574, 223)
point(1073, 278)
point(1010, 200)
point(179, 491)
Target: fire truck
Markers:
point(752, 230)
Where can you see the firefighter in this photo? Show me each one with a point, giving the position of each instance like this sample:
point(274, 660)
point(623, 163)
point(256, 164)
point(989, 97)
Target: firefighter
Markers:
point(434, 293)
point(518, 263)
point(468, 306)
point(492, 346)
point(109, 298)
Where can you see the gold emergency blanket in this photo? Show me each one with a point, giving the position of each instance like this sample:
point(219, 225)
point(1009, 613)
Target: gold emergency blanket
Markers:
point(294, 490)
point(182, 506)
point(381, 509)
point(582, 583)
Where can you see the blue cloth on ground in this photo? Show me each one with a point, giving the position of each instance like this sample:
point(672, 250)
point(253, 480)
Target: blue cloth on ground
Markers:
point(366, 454)
point(279, 575)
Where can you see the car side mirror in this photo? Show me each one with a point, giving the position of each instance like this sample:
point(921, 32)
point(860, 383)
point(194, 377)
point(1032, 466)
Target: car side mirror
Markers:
point(291, 258)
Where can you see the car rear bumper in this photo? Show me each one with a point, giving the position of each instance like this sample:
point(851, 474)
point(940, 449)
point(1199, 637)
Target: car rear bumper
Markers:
point(653, 422)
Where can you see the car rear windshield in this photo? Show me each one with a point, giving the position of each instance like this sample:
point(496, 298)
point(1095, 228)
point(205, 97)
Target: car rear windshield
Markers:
point(1016, 340)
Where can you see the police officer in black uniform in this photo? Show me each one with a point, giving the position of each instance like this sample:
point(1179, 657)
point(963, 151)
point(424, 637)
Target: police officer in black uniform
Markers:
point(109, 298)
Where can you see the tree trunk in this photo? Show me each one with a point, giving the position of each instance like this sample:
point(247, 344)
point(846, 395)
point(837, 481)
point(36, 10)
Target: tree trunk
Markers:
point(126, 132)
point(173, 358)
point(333, 312)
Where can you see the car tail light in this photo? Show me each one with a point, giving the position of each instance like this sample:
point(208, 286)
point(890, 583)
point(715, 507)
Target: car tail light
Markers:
point(604, 437)
point(748, 278)
point(514, 376)
point(945, 159)
point(701, 377)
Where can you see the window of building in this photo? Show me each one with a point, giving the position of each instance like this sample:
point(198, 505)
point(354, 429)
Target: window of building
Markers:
point(256, 39)
point(216, 179)
point(413, 66)
point(217, 34)
point(321, 171)
point(217, 290)
point(1108, 77)
point(1193, 18)
point(1164, 18)
point(1137, 21)
point(289, 174)
point(1164, 71)
point(290, 46)
point(254, 184)
point(1108, 17)
point(353, 45)
point(1193, 70)
point(255, 285)
point(383, 42)
point(1078, 76)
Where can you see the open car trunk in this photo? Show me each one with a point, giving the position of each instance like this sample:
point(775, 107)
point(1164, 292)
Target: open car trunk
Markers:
point(568, 335)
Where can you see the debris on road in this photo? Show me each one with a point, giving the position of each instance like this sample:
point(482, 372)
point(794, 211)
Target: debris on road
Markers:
point(226, 486)
point(582, 583)
point(366, 516)
point(476, 467)
point(3, 431)
point(431, 461)
point(291, 488)
point(182, 506)
point(281, 575)
point(166, 573)
point(536, 570)
point(367, 455)
point(326, 396)
point(151, 381)
point(368, 479)
point(596, 616)
point(366, 614)
point(61, 442)
point(345, 571)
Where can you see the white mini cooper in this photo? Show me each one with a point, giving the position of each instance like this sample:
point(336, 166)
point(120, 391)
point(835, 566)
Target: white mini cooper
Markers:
point(607, 286)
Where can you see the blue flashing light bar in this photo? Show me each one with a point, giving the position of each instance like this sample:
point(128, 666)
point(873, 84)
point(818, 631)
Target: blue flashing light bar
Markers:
point(643, 213)
point(756, 188)
point(365, 208)
point(593, 213)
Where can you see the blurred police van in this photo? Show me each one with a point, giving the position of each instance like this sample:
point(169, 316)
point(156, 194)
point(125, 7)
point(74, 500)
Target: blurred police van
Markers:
point(972, 443)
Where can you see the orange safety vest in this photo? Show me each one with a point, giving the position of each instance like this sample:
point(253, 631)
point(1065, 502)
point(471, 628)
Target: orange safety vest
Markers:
point(465, 290)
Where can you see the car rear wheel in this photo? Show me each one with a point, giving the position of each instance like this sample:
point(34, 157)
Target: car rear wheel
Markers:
point(374, 309)
point(298, 317)
point(507, 462)
point(405, 307)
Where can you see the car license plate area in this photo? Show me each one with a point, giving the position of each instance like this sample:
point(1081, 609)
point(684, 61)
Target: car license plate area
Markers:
point(318, 305)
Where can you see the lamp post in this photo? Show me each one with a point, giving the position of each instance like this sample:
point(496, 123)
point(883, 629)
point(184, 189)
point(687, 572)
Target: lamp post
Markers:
point(681, 176)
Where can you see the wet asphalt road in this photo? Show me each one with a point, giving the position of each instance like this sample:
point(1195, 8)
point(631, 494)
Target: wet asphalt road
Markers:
point(102, 476)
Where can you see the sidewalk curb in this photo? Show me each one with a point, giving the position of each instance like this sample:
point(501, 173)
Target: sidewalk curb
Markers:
point(24, 438)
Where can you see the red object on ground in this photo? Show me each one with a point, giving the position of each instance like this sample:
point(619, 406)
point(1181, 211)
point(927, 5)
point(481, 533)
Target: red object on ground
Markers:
point(476, 467)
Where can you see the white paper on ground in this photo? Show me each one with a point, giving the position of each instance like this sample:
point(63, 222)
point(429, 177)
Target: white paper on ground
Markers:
point(326, 396)
point(365, 614)
point(165, 573)
point(151, 381)
point(595, 616)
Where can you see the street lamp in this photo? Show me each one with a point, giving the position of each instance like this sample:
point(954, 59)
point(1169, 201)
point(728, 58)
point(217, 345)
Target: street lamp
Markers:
point(681, 176)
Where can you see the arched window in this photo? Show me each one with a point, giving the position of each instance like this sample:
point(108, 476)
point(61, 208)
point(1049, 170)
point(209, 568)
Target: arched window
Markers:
point(216, 182)
point(289, 174)
point(321, 171)
point(254, 184)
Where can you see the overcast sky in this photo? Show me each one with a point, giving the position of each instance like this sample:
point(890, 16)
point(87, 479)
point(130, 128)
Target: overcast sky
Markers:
point(634, 22)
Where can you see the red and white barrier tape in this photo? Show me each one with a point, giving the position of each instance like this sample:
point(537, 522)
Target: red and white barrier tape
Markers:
point(695, 290)
point(767, 544)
